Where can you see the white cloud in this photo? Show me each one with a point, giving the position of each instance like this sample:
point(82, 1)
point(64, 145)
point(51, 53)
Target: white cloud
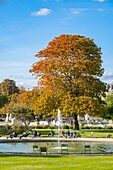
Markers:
point(101, 9)
point(10, 64)
point(107, 77)
point(28, 84)
point(108, 74)
point(78, 10)
point(100, 0)
point(42, 12)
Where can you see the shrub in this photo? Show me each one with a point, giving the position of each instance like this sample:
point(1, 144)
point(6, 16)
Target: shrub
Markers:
point(51, 127)
point(19, 129)
point(3, 130)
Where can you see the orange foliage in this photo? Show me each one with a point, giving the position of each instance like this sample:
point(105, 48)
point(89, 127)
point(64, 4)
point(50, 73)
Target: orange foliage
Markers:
point(72, 64)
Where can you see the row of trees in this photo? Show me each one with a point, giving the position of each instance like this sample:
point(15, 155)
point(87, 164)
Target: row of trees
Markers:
point(68, 73)
point(28, 103)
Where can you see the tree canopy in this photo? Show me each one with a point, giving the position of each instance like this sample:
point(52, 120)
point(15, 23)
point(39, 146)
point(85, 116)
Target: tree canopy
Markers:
point(66, 58)
point(24, 114)
point(72, 64)
point(8, 87)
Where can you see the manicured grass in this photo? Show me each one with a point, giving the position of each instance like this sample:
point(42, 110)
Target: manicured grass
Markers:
point(85, 133)
point(96, 134)
point(33, 162)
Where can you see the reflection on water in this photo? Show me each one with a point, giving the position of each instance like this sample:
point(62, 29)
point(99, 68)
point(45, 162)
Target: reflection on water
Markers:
point(53, 146)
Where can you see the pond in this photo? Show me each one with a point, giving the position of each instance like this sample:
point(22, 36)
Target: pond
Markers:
point(78, 147)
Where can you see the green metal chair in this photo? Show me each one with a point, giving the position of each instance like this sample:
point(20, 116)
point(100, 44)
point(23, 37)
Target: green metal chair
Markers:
point(35, 149)
point(43, 150)
point(87, 149)
point(64, 148)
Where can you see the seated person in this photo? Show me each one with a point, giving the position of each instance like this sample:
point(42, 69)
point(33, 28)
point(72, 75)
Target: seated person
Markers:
point(62, 133)
point(51, 133)
point(74, 134)
point(34, 134)
point(25, 134)
point(12, 135)
point(39, 134)
point(67, 134)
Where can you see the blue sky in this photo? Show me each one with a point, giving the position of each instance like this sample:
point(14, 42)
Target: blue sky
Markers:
point(26, 27)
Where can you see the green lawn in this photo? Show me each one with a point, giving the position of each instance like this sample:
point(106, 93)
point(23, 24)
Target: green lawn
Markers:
point(85, 133)
point(33, 162)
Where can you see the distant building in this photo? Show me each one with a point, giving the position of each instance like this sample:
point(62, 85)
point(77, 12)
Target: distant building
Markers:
point(110, 87)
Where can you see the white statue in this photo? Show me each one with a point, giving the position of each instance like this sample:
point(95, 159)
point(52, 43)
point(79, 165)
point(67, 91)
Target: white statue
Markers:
point(7, 117)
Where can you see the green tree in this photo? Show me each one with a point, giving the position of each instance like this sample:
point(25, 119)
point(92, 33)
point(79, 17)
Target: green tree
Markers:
point(24, 114)
point(72, 64)
point(3, 101)
point(108, 107)
point(8, 87)
point(8, 90)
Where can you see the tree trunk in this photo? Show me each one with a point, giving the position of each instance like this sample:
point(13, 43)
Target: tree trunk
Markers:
point(75, 122)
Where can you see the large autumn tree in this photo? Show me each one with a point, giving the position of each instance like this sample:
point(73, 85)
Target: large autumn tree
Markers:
point(72, 64)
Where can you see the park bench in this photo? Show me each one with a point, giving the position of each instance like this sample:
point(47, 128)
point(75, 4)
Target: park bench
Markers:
point(43, 150)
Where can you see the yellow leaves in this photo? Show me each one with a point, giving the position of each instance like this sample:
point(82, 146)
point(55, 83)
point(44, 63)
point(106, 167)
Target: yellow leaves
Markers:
point(79, 105)
point(45, 104)
point(70, 64)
